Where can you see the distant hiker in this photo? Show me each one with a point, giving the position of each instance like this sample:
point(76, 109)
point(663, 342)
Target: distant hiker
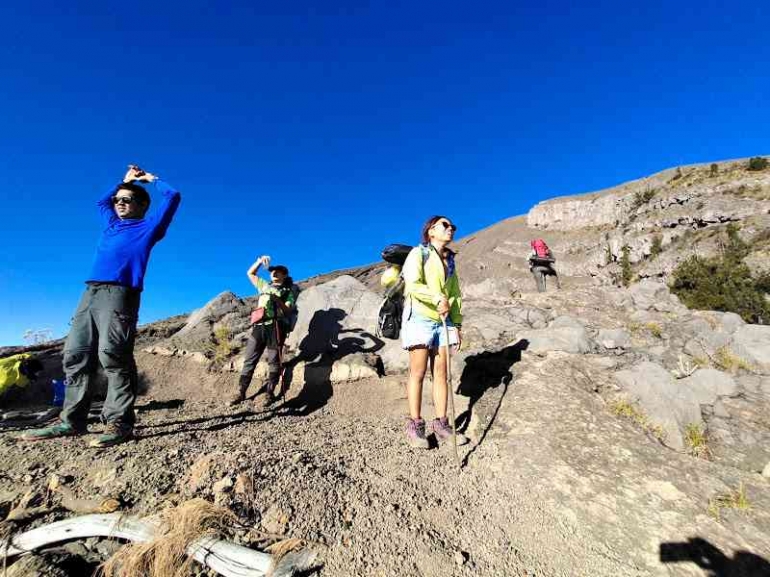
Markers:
point(432, 292)
point(271, 322)
point(541, 264)
point(18, 371)
point(104, 323)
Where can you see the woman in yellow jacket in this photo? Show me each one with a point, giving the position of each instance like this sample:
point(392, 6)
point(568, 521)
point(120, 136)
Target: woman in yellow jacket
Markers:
point(431, 293)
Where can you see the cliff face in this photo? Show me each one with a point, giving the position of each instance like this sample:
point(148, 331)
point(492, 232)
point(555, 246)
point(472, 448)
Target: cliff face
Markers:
point(574, 214)
point(682, 207)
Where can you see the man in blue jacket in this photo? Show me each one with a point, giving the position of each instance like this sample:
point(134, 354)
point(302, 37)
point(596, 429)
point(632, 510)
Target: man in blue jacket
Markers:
point(104, 324)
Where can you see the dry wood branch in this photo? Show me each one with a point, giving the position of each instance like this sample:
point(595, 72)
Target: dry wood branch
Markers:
point(225, 558)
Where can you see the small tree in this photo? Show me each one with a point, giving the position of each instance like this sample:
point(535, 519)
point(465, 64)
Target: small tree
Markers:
point(713, 169)
point(220, 348)
point(657, 245)
point(736, 248)
point(720, 284)
point(625, 265)
point(642, 198)
point(609, 258)
point(724, 282)
point(758, 163)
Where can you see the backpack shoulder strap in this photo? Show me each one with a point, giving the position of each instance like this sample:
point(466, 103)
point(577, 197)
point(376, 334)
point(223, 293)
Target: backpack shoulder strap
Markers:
point(425, 253)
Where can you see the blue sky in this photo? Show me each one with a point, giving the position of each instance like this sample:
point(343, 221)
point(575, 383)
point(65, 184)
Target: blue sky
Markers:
point(319, 132)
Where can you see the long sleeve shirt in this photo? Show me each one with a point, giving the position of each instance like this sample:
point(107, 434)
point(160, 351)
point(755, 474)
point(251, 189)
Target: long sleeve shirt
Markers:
point(124, 246)
point(427, 282)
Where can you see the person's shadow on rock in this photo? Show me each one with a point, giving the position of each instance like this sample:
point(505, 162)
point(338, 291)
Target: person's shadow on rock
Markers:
point(715, 563)
point(484, 371)
point(319, 350)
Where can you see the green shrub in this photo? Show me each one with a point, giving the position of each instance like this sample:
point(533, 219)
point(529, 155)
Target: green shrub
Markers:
point(608, 256)
point(642, 198)
point(625, 265)
point(758, 163)
point(220, 348)
point(657, 245)
point(713, 169)
point(723, 283)
point(735, 248)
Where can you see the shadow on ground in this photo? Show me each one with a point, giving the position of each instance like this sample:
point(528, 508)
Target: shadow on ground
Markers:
point(319, 350)
point(713, 562)
point(213, 423)
point(482, 372)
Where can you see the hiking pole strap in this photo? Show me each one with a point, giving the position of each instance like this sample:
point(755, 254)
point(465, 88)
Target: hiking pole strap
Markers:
point(450, 391)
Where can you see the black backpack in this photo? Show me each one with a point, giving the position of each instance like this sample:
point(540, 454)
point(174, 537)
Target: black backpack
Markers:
point(289, 321)
point(392, 307)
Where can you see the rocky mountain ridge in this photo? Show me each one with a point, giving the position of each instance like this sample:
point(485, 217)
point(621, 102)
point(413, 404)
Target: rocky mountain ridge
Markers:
point(611, 422)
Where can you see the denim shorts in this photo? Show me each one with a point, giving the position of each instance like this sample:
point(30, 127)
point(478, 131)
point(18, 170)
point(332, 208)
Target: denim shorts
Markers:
point(420, 331)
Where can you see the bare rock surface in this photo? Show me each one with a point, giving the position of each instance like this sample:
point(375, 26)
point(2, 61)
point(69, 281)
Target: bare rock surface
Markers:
point(671, 407)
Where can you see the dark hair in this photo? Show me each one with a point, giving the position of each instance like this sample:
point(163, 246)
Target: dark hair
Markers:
point(429, 224)
point(30, 368)
point(139, 192)
point(288, 282)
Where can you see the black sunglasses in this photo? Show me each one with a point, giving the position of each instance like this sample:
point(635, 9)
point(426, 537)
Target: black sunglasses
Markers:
point(447, 225)
point(123, 200)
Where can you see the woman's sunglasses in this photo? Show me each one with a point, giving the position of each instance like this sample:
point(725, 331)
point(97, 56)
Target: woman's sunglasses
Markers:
point(447, 225)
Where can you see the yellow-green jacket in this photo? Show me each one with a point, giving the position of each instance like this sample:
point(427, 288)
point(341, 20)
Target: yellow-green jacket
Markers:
point(9, 372)
point(426, 284)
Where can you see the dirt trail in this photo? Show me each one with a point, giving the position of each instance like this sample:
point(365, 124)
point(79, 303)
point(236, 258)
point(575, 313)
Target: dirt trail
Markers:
point(342, 478)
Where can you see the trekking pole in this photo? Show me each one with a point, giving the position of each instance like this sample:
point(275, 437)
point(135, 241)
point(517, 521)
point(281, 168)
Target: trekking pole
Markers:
point(280, 360)
point(450, 391)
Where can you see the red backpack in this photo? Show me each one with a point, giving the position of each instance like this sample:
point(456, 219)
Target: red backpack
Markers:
point(541, 249)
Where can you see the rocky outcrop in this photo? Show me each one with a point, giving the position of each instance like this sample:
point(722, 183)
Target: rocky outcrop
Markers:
point(666, 405)
point(574, 214)
point(752, 344)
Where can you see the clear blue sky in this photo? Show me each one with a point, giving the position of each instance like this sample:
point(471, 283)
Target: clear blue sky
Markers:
point(318, 132)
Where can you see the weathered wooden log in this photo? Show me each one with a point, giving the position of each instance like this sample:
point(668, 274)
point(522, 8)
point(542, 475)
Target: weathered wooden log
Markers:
point(224, 557)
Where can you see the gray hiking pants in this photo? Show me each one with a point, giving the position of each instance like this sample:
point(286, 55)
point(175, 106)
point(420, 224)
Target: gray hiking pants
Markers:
point(263, 339)
point(540, 272)
point(103, 331)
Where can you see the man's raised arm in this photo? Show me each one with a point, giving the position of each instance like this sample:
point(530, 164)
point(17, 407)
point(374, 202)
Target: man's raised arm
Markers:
point(106, 208)
point(167, 204)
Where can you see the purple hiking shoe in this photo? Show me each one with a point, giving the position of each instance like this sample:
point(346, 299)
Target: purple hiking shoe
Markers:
point(443, 431)
point(415, 434)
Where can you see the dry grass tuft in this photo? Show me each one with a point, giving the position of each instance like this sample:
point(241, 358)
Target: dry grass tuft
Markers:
point(282, 548)
point(655, 329)
point(166, 555)
point(727, 360)
point(622, 408)
point(735, 499)
point(697, 441)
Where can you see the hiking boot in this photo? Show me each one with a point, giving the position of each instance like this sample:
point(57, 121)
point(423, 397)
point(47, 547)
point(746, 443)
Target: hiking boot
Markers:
point(243, 385)
point(415, 434)
point(443, 431)
point(237, 399)
point(114, 434)
point(55, 431)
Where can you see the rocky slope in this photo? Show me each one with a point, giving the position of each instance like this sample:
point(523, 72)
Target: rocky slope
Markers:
point(614, 432)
